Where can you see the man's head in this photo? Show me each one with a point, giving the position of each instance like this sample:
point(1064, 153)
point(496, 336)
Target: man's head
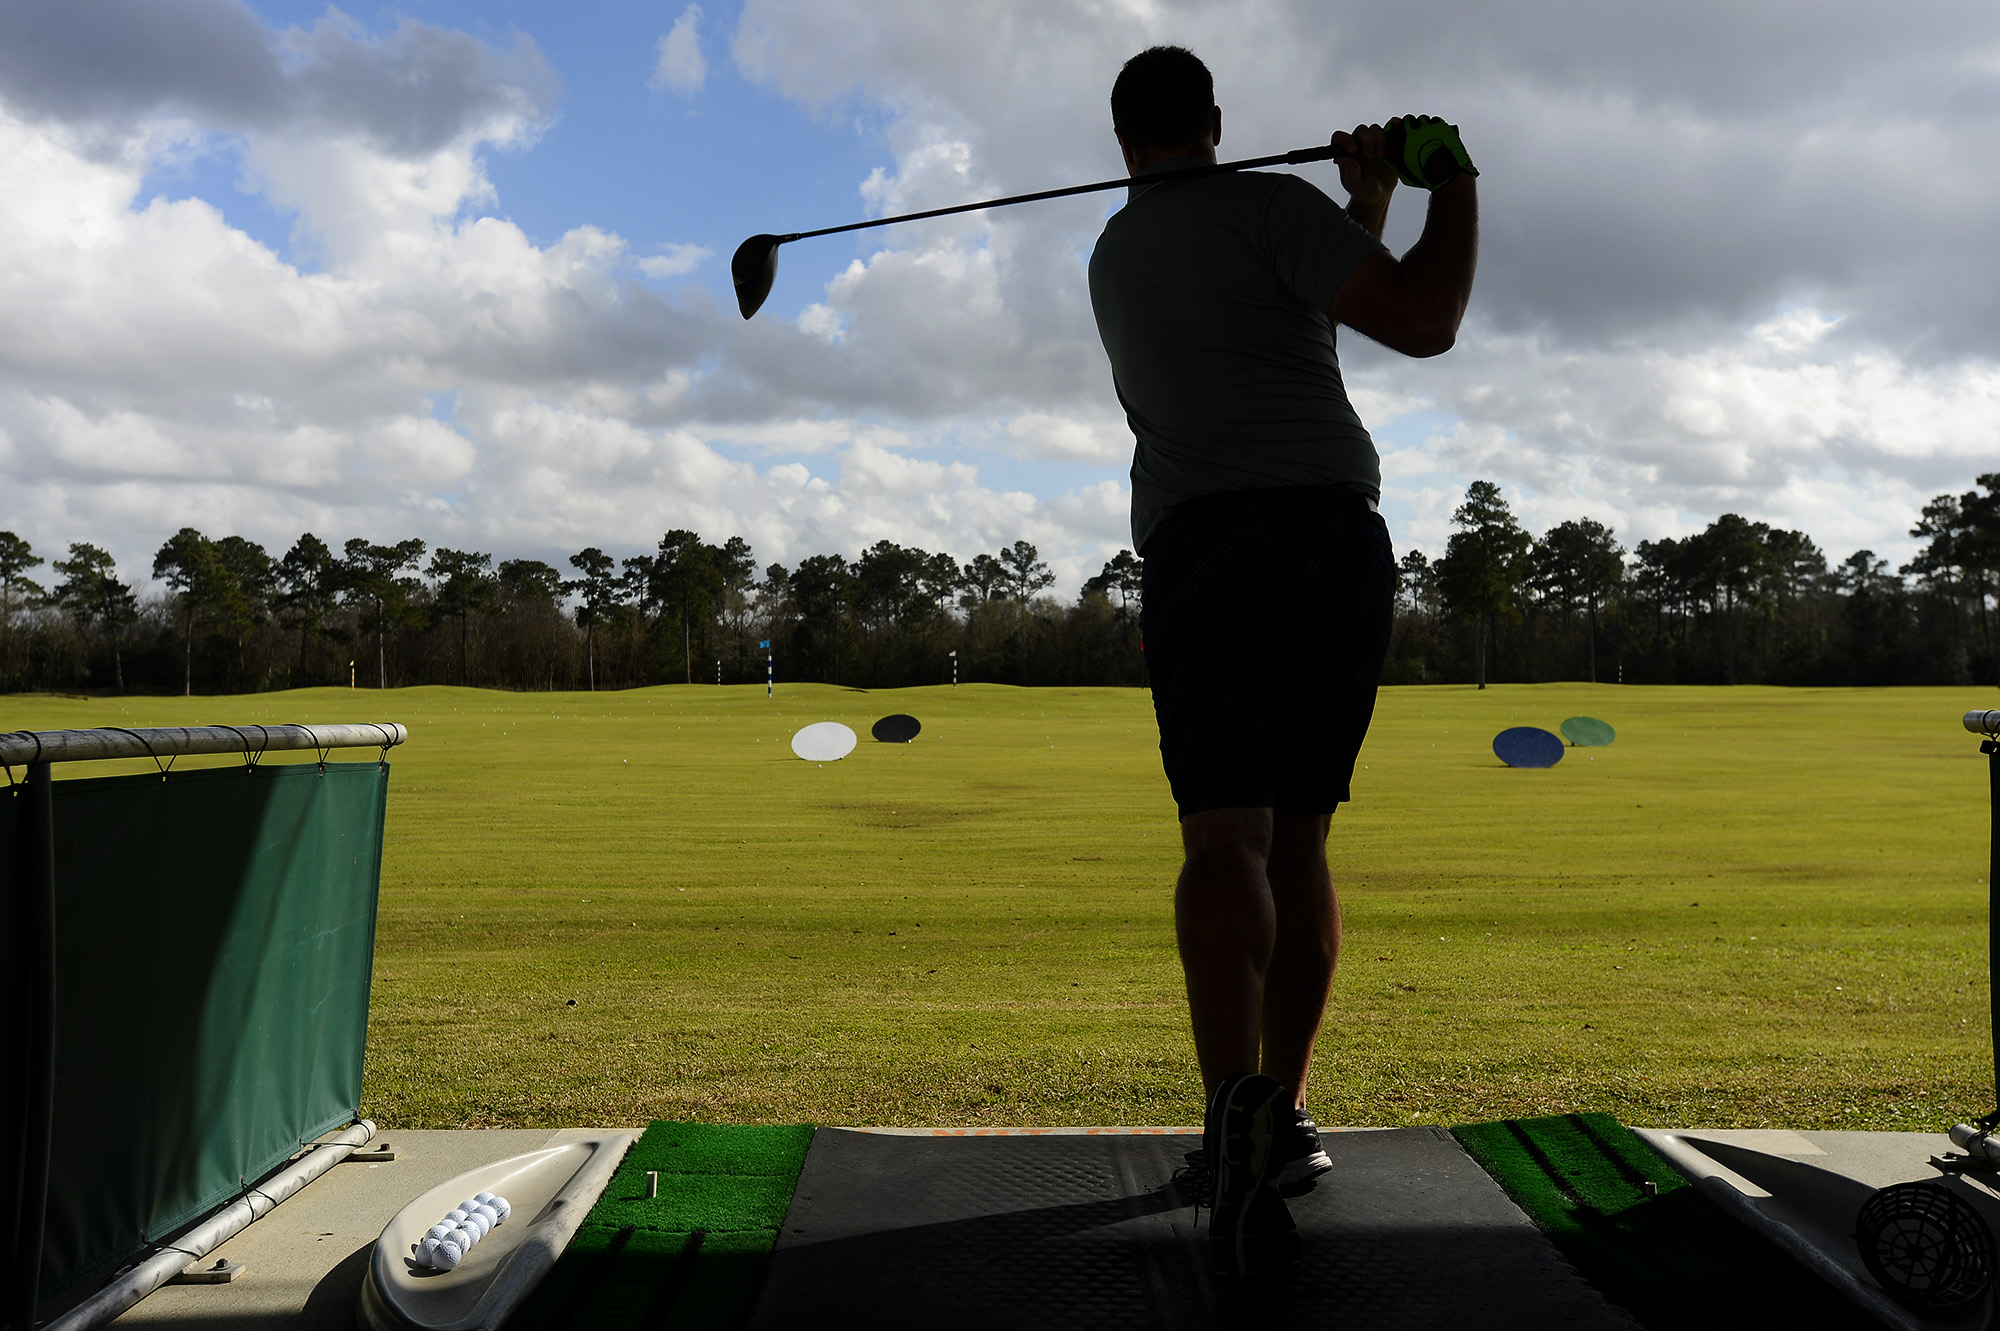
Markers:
point(1163, 105)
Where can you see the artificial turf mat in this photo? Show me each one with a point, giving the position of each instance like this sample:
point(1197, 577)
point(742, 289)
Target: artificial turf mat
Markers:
point(1672, 1258)
point(692, 1257)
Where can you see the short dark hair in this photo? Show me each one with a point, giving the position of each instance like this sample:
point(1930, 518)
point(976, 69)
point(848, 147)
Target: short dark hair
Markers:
point(1163, 98)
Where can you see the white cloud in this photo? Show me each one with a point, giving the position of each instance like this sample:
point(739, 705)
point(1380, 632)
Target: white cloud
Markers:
point(822, 322)
point(680, 67)
point(1736, 219)
point(676, 262)
point(1843, 443)
point(1713, 322)
point(1105, 439)
point(802, 436)
point(406, 92)
point(160, 368)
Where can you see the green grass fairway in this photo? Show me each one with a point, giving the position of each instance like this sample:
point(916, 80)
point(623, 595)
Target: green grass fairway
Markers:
point(1758, 907)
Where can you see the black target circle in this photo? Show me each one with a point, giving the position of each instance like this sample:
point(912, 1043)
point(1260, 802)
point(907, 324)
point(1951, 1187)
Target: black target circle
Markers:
point(1926, 1246)
point(897, 728)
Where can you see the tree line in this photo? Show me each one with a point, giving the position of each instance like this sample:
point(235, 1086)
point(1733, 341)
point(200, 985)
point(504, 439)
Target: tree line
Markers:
point(227, 616)
point(1741, 602)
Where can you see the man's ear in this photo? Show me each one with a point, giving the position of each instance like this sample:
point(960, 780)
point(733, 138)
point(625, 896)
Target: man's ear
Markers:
point(1125, 147)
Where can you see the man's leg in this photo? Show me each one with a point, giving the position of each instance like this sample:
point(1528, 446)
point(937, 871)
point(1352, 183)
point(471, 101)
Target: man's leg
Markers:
point(1226, 923)
point(1306, 948)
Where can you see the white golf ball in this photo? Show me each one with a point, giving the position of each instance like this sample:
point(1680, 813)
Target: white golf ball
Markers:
point(455, 1216)
point(447, 1255)
point(480, 1223)
point(487, 1213)
point(467, 1205)
point(500, 1204)
point(482, 1196)
point(427, 1250)
point(439, 1231)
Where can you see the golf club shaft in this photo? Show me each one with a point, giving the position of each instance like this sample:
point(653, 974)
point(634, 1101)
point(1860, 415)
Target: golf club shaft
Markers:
point(1293, 158)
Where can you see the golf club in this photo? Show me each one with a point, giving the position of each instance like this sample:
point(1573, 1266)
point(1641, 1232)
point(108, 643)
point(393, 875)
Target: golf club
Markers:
point(755, 265)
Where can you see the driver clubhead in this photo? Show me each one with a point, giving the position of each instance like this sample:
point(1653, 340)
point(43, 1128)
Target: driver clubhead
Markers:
point(753, 269)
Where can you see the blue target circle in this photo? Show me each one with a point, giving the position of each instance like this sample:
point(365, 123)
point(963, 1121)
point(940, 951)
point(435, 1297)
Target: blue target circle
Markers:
point(1528, 746)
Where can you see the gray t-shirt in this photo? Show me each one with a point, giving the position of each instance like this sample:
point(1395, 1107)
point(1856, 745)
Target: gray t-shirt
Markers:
point(1211, 298)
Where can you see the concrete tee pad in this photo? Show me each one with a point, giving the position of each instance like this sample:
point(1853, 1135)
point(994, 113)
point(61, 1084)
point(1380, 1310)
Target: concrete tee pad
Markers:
point(304, 1262)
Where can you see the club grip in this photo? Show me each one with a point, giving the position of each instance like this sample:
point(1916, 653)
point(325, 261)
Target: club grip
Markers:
point(1396, 138)
point(1297, 156)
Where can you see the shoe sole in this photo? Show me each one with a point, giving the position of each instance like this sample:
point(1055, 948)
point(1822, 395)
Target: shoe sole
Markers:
point(1301, 1175)
point(1251, 1233)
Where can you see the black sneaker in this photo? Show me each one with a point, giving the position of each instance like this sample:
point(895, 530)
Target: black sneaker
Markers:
point(1302, 1161)
point(1251, 1235)
point(1301, 1157)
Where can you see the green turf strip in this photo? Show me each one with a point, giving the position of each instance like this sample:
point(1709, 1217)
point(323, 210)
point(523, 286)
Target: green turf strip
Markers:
point(1673, 1259)
point(692, 1257)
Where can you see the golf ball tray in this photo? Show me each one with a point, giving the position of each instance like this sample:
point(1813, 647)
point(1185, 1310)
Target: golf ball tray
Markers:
point(447, 1243)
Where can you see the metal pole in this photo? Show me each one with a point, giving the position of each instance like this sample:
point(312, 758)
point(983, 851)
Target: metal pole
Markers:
point(149, 1273)
point(1991, 749)
point(768, 676)
point(38, 1039)
point(1987, 725)
point(27, 747)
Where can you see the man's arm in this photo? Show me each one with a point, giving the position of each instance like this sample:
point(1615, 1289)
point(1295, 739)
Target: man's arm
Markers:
point(1414, 304)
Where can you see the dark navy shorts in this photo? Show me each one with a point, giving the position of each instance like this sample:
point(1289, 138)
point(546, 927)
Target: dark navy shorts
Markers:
point(1266, 618)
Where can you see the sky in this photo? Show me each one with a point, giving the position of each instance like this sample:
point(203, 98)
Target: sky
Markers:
point(460, 271)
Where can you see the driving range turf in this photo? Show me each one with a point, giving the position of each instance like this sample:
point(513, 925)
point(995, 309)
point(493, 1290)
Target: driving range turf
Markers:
point(1758, 907)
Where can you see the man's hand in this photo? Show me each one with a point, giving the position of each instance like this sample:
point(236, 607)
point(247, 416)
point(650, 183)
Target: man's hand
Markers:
point(1366, 173)
point(1426, 152)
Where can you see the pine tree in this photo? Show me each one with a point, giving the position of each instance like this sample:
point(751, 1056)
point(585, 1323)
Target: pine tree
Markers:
point(1484, 564)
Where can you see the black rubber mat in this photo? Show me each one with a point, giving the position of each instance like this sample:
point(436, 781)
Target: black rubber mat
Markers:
point(1091, 1231)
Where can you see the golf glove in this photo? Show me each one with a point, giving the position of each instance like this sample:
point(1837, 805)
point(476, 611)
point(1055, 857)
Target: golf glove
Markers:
point(1429, 152)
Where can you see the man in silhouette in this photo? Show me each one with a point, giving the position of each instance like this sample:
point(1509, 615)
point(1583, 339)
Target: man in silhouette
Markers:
point(1269, 578)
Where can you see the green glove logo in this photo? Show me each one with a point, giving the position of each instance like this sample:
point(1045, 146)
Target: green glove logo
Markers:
point(1430, 152)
